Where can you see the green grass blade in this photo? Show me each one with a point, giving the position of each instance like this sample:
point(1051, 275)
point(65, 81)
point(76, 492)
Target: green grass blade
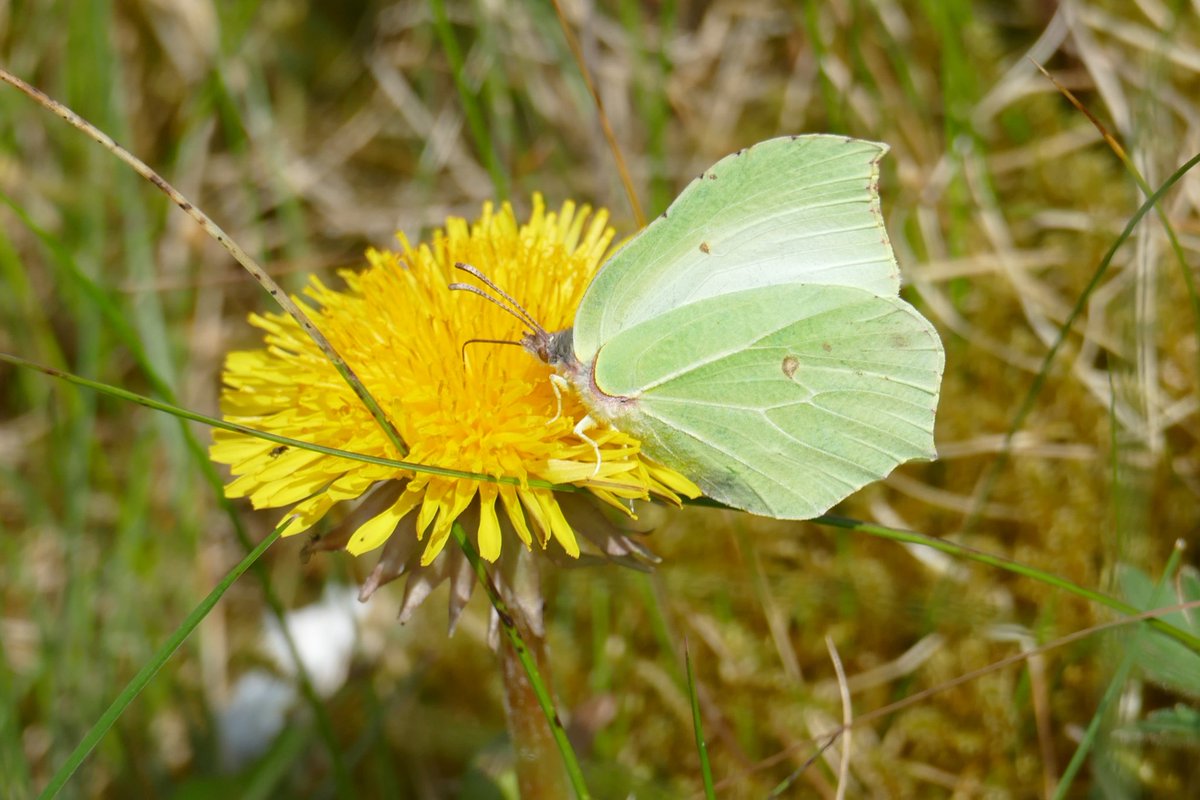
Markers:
point(117, 322)
point(837, 522)
point(980, 557)
point(215, 422)
point(988, 482)
point(217, 234)
point(1189, 281)
point(469, 100)
point(1111, 692)
point(151, 667)
point(698, 727)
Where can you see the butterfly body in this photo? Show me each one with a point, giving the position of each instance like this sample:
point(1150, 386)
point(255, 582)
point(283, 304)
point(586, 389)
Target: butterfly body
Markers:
point(557, 351)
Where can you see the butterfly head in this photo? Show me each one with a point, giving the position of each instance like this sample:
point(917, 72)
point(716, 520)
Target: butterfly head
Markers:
point(553, 348)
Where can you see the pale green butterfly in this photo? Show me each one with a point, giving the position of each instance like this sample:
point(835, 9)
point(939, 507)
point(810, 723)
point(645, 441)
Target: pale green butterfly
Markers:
point(753, 337)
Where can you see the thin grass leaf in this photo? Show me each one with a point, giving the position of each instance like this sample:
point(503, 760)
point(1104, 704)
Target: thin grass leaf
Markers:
point(922, 696)
point(222, 238)
point(1185, 270)
point(605, 125)
point(1164, 661)
point(469, 99)
point(653, 61)
point(698, 727)
point(215, 422)
point(151, 667)
point(1178, 726)
point(1115, 686)
point(988, 482)
point(117, 321)
point(1180, 635)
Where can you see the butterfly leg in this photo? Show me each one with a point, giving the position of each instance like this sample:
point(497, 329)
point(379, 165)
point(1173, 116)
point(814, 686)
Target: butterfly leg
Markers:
point(580, 430)
point(557, 383)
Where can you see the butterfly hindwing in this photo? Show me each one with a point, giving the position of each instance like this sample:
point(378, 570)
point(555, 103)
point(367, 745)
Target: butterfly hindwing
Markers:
point(779, 400)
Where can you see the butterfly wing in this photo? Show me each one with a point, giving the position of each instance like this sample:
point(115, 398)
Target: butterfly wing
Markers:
point(802, 209)
point(780, 400)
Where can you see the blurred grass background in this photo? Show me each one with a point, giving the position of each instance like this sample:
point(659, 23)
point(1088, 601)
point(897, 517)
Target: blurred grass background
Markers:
point(311, 130)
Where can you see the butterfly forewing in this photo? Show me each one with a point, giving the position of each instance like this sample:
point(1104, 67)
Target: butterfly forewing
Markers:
point(780, 400)
point(802, 209)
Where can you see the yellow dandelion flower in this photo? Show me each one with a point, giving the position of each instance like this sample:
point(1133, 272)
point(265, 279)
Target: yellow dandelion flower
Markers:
point(484, 408)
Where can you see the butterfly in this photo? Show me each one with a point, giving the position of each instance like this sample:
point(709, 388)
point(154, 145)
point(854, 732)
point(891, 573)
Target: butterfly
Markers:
point(753, 337)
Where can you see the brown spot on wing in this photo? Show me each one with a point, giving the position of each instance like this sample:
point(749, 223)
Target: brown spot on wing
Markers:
point(790, 365)
point(704, 248)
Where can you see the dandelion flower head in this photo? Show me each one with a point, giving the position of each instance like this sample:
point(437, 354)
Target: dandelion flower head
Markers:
point(485, 408)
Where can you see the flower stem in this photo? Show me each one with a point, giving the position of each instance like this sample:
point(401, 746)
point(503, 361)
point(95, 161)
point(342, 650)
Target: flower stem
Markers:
point(540, 772)
point(535, 694)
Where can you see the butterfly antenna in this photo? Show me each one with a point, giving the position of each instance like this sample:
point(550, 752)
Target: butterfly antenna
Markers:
point(485, 341)
point(514, 308)
point(466, 287)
